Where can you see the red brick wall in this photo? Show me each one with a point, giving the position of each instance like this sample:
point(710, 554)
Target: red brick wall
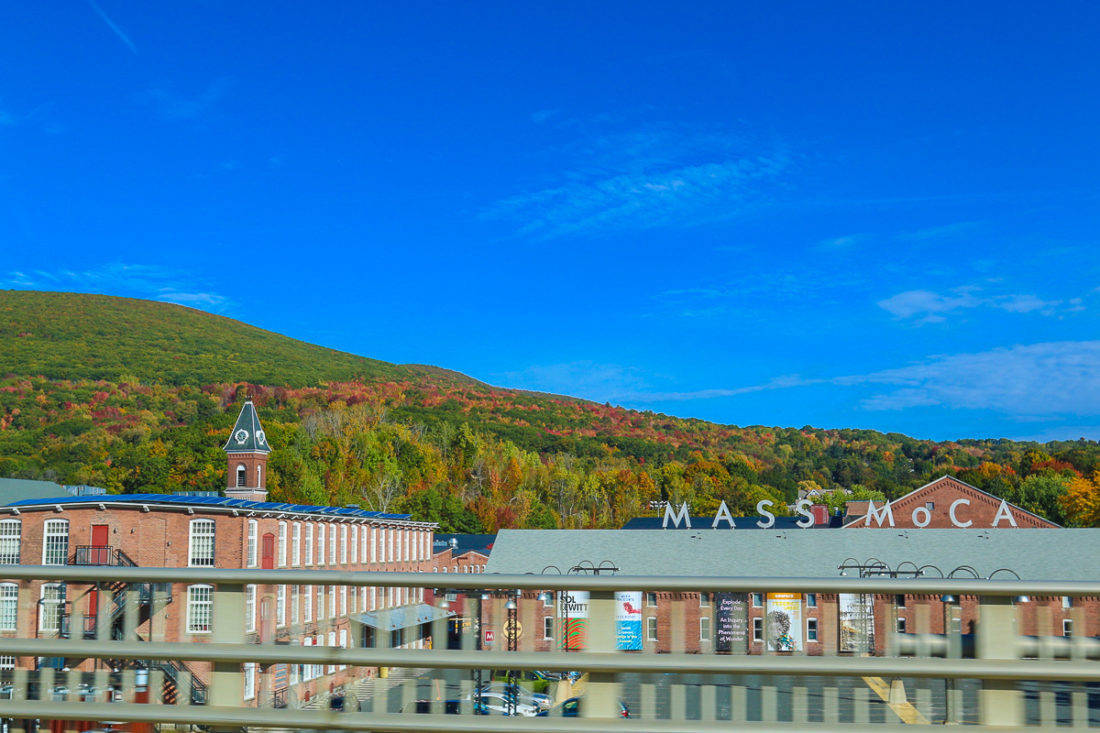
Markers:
point(942, 493)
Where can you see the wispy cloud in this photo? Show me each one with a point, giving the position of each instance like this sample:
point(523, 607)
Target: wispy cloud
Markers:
point(114, 27)
point(1030, 381)
point(172, 105)
point(134, 280)
point(926, 306)
point(653, 177)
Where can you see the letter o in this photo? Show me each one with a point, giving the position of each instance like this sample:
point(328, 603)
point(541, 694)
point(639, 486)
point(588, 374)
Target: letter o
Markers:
point(927, 516)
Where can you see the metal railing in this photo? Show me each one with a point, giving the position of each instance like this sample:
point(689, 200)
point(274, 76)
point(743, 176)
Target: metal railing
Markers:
point(992, 675)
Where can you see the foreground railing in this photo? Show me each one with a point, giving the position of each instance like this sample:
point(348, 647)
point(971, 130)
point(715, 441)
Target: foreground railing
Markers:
point(490, 659)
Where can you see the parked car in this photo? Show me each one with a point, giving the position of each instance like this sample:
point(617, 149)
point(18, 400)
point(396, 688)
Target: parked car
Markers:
point(523, 695)
point(571, 708)
point(449, 707)
point(498, 702)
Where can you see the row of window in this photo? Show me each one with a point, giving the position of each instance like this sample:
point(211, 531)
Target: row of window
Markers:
point(304, 543)
point(55, 541)
point(307, 602)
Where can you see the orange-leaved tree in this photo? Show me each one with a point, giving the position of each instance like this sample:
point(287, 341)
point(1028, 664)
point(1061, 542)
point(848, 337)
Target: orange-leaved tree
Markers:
point(1081, 501)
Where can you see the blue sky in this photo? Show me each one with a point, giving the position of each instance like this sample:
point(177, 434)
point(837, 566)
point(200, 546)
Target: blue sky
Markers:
point(876, 215)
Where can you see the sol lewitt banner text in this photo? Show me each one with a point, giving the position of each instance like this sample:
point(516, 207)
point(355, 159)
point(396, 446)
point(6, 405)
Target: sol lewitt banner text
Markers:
point(573, 612)
point(731, 627)
point(784, 622)
point(628, 620)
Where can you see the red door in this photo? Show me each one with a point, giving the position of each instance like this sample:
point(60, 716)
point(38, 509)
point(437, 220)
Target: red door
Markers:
point(98, 555)
point(267, 560)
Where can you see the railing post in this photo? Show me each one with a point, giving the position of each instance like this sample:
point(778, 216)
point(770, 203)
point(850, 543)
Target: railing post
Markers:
point(999, 701)
point(601, 700)
point(226, 678)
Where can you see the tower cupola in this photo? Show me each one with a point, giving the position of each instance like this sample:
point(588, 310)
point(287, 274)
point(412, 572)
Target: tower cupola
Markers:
point(246, 457)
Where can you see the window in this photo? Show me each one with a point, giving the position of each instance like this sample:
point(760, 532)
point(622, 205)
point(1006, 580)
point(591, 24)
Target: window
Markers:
point(7, 663)
point(309, 544)
point(320, 544)
point(296, 544)
point(250, 547)
point(53, 599)
point(373, 599)
point(354, 593)
point(547, 599)
point(811, 629)
point(201, 543)
point(704, 628)
point(242, 475)
point(320, 602)
point(757, 600)
point(9, 606)
point(901, 626)
point(332, 544)
point(389, 545)
point(408, 545)
point(343, 544)
point(331, 643)
point(651, 628)
point(10, 531)
point(250, 608)
point(651, 599)
point(373, 544)
point(249, 680)
point(343, 600)
point(1067, 602)
point(1067, 627)
point(280, 606)
point(899, 600)
point(364, 535)
point(758, 629)
point(55, 542)
point(280, 555)
point(295, 593)
point(343, 644)
point(354, 544)
point(332, 601)
point(547, 627)
point(929, 505)
point(811, 600)
point(200, 608)
point(307, 607)
point(704, 600)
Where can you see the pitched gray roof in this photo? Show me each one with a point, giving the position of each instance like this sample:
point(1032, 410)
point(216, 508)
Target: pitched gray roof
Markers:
point(17, 489)
point(1034, 554)
point(248, 435)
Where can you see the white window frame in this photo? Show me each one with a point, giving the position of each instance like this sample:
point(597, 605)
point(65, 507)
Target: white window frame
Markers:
point(704, 628)
point(50, 620)
point(354, 541)
point(332, 544)
point(55, 542)
point(197, 539)
point(343, 644)
point(811, 600)
point(241, 476)
point(320, 544)
point(331, 643)
point(309, 544)
point(1067, 627)
point(374, 544)
point(758, 629)
point(250, 608)
point(296, 545)
point(11, 541)
point(343, 544)
point(343, 600)
point(280, 606)
point(248, 669)
point(811, 629)
point(280, 551)
point(295, 601)
point(548, 628)
point(250, 543)
point(200, 607)
point(9, 606)
point(307, 607)
point(650, 628)
point(320, 602)
point(332, 601)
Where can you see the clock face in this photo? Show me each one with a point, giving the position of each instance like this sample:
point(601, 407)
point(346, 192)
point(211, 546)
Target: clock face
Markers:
point(260, 437)
point(240, 436)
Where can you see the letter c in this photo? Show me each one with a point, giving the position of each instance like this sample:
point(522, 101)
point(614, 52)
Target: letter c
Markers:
point(954, 519)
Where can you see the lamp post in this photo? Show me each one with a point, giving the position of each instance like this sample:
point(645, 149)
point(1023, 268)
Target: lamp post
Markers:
point(510, 635)
point(953, 646)
point(481, 598)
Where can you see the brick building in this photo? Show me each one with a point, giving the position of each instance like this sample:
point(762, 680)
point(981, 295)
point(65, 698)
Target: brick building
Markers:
point(238, 530)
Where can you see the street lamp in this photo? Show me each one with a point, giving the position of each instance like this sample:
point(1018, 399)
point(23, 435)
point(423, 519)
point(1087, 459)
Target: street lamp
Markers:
point(510, 635)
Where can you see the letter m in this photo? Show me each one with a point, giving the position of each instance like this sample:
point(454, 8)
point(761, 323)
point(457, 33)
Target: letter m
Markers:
point(676, 518)
point(879, 515)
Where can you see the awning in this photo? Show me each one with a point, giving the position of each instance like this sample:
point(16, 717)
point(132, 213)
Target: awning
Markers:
point(403, 617)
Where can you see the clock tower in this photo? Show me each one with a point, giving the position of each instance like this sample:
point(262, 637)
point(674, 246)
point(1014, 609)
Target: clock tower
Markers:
point(246, 457)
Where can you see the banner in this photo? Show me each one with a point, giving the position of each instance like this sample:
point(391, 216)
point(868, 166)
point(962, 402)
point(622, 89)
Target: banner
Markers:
point(573, 612)
point(857, 623)
point(731, 623)
point(784, 622)
point(628, 620)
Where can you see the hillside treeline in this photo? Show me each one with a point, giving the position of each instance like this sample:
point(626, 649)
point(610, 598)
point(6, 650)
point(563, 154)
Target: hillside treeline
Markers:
point(476, 458)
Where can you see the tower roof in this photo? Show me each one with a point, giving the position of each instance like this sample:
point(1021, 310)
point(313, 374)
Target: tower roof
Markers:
point(248, 435)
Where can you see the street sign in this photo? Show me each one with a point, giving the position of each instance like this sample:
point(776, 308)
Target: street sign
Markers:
point(488, 636)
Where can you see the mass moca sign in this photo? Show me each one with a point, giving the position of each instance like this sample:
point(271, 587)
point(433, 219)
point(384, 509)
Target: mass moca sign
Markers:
point(876, 516)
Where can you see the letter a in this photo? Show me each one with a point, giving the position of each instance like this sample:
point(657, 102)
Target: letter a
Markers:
point(1003, 512)
point(681, 515)
point(723, 513)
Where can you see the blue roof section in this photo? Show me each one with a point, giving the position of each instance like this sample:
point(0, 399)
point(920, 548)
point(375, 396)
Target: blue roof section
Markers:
point(218, 501)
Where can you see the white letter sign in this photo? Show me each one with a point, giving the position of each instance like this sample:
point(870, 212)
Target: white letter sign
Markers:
point(681, 515)
point(764, 513)
point(802, 508)
point(723, 513)
point(1003, 512)
point(951, 513)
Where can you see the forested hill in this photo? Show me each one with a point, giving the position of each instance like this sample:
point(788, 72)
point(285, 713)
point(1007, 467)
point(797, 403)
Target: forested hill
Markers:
point(137, 395)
